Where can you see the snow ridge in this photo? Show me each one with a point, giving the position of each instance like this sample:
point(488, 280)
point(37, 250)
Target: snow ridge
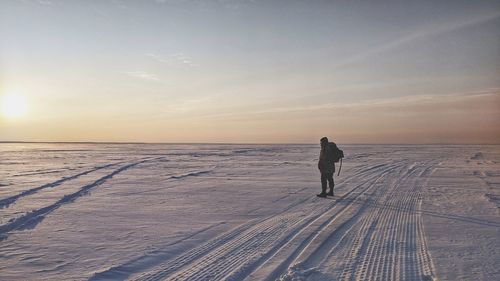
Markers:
point(191, 174)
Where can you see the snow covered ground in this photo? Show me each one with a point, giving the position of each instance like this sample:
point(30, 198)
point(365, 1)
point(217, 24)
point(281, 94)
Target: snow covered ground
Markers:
point(247, 212)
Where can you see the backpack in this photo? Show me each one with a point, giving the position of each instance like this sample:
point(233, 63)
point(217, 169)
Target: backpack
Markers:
point(337, 154)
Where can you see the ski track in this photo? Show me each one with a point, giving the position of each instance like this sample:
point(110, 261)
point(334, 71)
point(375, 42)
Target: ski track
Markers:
point(6, 202)
point(375, 227)
point(31, 219)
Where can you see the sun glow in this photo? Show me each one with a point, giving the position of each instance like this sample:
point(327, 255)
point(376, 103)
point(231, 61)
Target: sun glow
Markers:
point(13, 106)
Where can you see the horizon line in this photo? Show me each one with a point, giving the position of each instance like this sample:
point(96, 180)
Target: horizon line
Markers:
point(229, 143)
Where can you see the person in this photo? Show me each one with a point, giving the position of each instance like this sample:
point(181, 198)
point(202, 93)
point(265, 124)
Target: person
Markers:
point(326, 166)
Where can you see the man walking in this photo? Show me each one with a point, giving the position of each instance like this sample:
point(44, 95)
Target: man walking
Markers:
point(326, 166)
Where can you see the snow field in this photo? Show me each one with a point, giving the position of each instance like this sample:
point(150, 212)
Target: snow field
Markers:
point(247, 212)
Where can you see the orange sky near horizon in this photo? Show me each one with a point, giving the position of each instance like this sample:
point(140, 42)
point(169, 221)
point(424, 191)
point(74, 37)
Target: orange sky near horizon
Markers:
point(470, 118)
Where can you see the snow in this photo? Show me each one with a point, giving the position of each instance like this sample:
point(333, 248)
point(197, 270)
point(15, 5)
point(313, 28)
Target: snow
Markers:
point(247, 212)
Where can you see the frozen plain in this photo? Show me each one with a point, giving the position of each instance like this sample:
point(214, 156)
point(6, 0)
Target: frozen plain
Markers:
point(247, 212)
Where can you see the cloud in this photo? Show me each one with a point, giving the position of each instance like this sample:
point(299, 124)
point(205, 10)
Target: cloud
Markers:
point(398, 104)
point(183, 59)
point(173, 59)
point(143, 75)
point(423, 33)
point(157, 58)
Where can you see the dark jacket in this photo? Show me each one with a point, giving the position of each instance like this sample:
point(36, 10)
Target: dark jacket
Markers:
point(325, 163)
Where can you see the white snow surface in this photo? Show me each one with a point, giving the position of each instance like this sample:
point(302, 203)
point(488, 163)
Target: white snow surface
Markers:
point(248, 212)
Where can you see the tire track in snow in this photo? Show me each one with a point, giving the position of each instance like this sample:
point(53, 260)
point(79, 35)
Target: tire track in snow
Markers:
point(317, 249)
point(237, 256)
point(375, 247)
point(301, 245)
point(223, 242)
point(422, 251)
point(172, 265)
point(367, 263)
point(217, 249)
point(393, 252)
point(32, 219)
point(309, 231)
point(218, 265)
point(6, 202)
point(123, 271)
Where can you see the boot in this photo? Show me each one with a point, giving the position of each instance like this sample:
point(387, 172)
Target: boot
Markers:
point(322, 194)
point(330, 193)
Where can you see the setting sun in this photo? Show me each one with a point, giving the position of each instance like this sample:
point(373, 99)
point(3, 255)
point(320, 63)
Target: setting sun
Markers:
point(13, 106)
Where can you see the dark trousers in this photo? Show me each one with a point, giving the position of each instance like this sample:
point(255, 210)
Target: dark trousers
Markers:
point(324, 178)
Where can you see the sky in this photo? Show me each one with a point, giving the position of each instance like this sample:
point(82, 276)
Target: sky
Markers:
point(236, 71)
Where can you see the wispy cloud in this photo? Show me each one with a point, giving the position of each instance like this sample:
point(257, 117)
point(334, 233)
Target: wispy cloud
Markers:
point(397, 102)
point(157, 58)
point(423, 33)
point(177, 58)
point(183, 59)
point(143, 75)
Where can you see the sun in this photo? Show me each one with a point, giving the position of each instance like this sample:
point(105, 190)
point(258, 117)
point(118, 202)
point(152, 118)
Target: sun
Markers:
point(13, 106)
